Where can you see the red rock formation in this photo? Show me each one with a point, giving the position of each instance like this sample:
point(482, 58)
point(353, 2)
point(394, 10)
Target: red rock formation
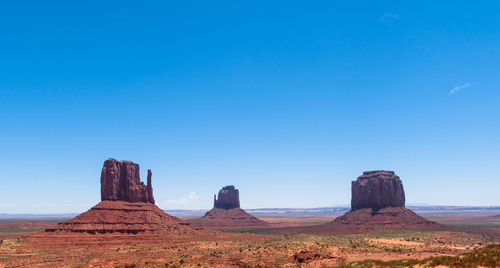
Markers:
point(227, 212)
point(120, 181)
point(234, 217)
point(229, 197)
point(126, 213)
point(377, 190)
point(378, 201)
point(151, 199)
point(389, 217)
point(120, 217)
point(119, 222)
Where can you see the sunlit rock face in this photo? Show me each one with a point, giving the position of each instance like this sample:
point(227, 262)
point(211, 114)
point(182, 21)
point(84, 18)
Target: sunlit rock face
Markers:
point(120, 181)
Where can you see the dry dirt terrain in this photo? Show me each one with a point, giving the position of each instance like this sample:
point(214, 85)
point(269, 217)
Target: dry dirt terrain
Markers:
point(271, 246)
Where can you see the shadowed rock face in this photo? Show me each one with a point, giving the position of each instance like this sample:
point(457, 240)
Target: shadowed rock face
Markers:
point(377, 190)
point(120, 181)
point(229, 197)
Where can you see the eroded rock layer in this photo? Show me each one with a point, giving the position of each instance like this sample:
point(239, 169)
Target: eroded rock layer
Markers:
point(235, 217)
point(122, 217)
point(119, 222)
point(390, 217)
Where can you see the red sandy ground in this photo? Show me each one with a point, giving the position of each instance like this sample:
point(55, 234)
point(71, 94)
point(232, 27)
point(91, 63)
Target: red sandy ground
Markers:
point(270, 247)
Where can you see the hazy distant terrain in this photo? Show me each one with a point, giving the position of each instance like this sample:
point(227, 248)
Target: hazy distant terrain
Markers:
point(325, 211)
point(428, 210)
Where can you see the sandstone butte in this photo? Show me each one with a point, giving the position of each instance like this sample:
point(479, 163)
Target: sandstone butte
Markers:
point(378, 201)
point(227, 212)
point(126, 214)
point(120, 181)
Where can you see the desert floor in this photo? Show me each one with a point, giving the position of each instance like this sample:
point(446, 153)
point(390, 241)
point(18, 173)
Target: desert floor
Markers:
point(259, 247)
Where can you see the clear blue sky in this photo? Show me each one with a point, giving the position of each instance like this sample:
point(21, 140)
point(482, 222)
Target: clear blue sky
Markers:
point(288, 100)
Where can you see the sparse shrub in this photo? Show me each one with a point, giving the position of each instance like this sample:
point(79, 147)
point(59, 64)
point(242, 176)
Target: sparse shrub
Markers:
point(488, 256)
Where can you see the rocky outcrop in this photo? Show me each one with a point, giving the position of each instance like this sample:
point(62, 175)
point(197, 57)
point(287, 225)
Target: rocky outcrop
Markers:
point(389, 217)
point(227, 212)
point(126, 213)
point(378, 201)
point(377, 190)
point(120, 217)
point(118, 223)
point(235, 217)
point(151, 199)
point(229, 197)
point(120, 181)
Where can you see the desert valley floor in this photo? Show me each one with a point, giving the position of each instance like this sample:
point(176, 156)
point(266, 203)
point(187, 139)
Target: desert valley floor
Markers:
point(288, 241)
point(127, 229)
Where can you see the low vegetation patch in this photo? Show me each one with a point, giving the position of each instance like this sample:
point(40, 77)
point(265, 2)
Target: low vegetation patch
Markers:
point(488, 256)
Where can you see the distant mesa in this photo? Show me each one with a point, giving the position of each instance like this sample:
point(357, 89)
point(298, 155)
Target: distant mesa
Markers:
point(378, 201)
point(126, 212)
point(227, 212)
point(229, 197)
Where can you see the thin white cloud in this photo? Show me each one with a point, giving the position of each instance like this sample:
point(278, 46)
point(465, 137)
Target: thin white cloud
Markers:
point(388, 18)
point(190, 199)
point(457, 88)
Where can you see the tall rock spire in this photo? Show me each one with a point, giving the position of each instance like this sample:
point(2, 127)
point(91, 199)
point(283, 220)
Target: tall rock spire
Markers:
point(151, 199)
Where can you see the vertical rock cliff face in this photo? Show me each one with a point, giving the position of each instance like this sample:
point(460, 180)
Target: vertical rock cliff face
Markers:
point(229, 197)
point(377, 190)
point(120, 181)
point(151, 199)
